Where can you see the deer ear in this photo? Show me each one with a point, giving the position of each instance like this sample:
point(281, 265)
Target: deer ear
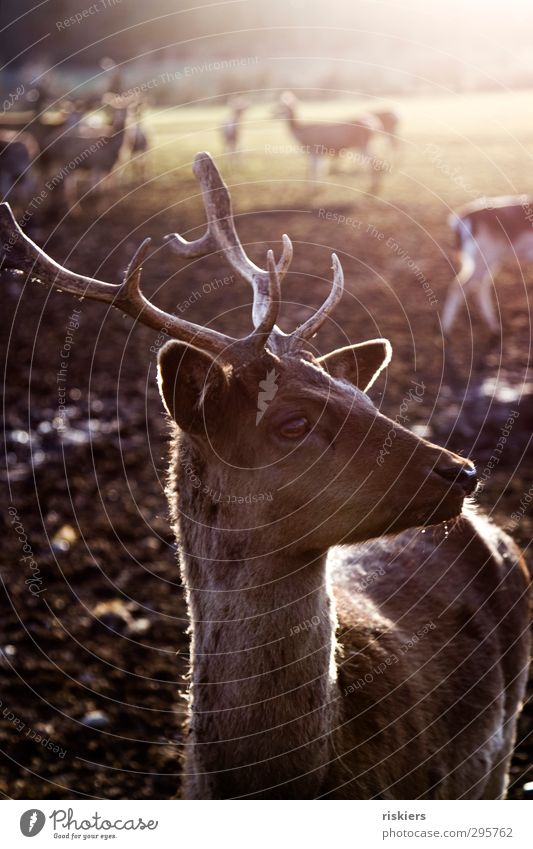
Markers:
point(192, 385)
point(360, 364)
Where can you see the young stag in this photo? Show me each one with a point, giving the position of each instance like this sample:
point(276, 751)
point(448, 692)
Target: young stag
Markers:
point(349, 140)
point(488, 232)
point(338, 650)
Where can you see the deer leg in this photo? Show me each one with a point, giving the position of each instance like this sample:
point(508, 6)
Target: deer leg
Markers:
point(486, 302)
point(70, 189)
point(370, 158)
point(148, 170)
point(314, 166)
point(334, 165)
point(376, 173)
point(29, 186)
point(142, 169)
point(451, 307)
point(96, 180)
point(372, 165)
point(468, 274)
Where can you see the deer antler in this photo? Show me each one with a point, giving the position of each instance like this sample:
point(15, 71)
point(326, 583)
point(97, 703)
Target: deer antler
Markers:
point(22, 255)
point(315, 322)
point(221, 235)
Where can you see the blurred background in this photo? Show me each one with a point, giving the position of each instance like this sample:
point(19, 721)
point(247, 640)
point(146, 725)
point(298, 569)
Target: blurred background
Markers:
point(102, 108)
point(369, 46)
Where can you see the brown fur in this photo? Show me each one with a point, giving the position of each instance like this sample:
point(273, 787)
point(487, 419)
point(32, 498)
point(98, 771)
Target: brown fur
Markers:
point(276, 711)
point(330, 140)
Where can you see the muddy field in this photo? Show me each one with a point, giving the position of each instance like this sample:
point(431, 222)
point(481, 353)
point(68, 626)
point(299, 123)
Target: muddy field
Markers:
point(93, 628)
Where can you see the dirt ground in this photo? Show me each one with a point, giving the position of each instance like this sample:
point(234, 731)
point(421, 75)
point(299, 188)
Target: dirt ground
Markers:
point(93, 629)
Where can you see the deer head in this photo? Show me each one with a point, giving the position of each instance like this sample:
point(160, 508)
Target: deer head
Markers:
point(286, 106)
point(266, 413)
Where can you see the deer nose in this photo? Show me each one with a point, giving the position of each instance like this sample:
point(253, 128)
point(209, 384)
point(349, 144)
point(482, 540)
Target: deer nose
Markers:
point(464, 473)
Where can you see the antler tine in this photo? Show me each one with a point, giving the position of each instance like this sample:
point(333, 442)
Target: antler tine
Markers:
point(189, 250)
point(286, 257)
point(315, 322)
point(272, 299)
point(131, 285)
point(221, 235)
point(22, 255)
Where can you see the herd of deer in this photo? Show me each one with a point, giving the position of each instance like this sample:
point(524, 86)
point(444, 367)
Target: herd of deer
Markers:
point(361, 634)
point(488, 231)
point(322, 141)
point(68, 144)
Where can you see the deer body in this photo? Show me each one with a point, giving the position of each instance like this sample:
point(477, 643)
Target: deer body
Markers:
point(344, 644)
point(489, 232)
point(330, 140)
point(436, 643)
point(84, 149)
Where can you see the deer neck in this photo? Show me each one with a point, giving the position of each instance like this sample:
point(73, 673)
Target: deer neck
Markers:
point(292, 121)
point(262, 657)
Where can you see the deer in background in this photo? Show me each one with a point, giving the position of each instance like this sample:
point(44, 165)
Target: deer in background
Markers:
point(84, 150)
point(136, 145)
point(337, 649)
point(488, 232)
point(332, 140)
point(231, 129)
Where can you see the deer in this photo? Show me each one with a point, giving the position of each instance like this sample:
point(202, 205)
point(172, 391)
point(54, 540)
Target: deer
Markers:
point(342, 139)
point(137, 143)
point(83, 149)
point(231, 128)
point(488, 232)
point(345, 641)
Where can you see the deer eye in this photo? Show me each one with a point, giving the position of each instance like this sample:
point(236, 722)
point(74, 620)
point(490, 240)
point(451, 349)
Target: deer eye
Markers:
point(294, 428)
